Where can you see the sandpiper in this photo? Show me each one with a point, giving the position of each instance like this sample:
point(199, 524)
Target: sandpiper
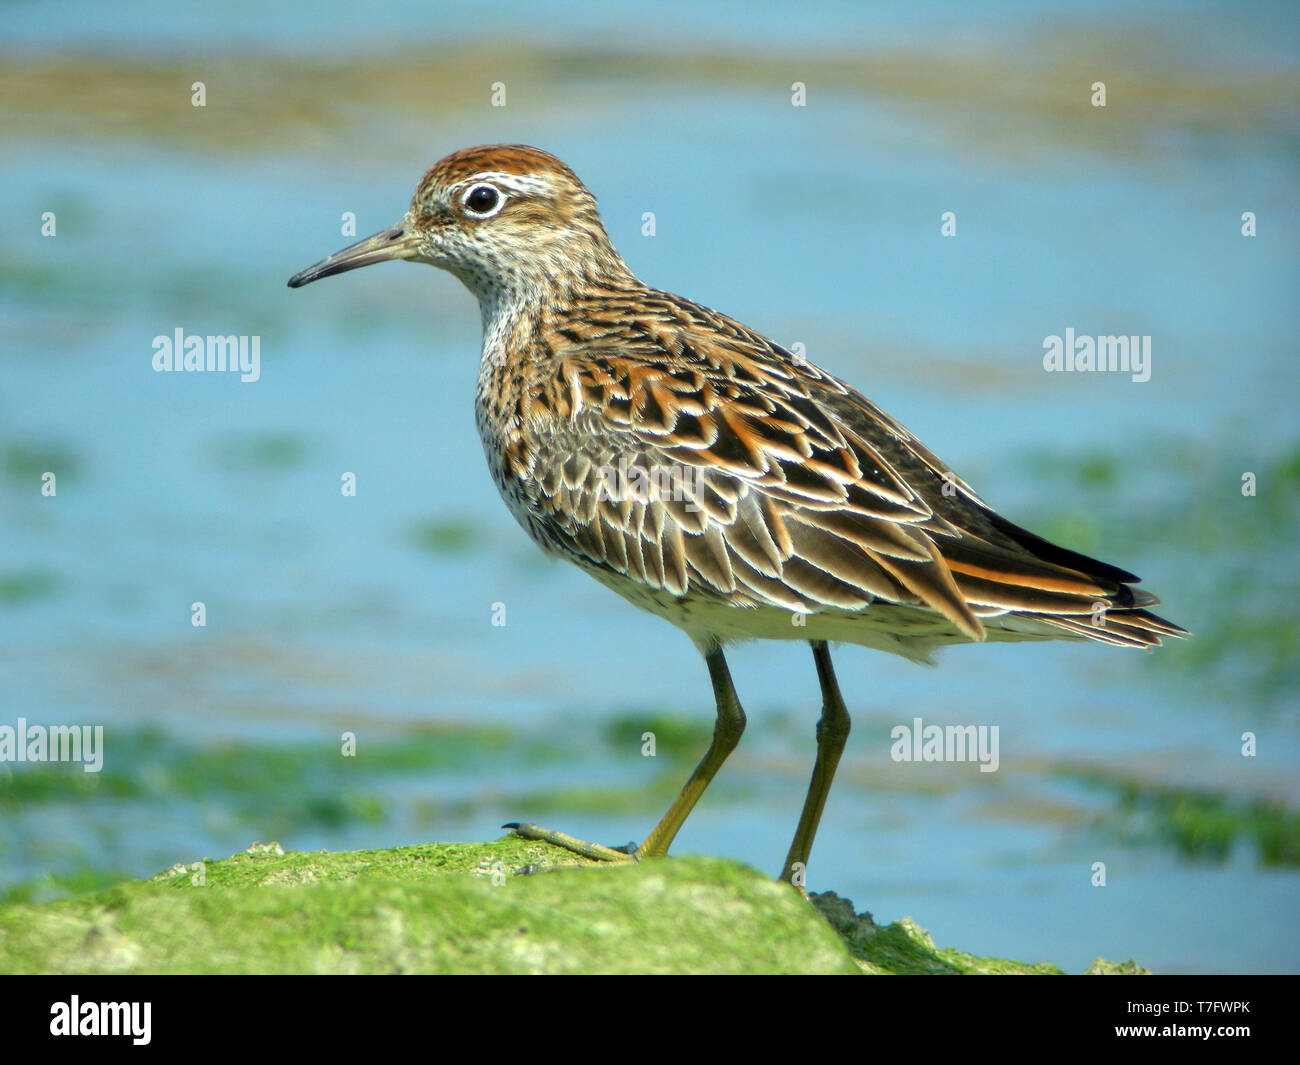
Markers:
point(709, 476)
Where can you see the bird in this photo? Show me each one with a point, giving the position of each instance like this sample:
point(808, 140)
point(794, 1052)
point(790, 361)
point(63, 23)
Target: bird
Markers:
point(712, 477)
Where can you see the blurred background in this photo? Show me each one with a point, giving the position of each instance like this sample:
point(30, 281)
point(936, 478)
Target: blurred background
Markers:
point(817, 225)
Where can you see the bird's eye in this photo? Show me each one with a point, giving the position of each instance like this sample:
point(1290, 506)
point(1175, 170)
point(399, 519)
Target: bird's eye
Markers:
point(483, 201)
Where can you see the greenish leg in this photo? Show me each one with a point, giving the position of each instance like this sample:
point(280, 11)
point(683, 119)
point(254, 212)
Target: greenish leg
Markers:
point(727, 731)
point(832, 733)
point(726, 734)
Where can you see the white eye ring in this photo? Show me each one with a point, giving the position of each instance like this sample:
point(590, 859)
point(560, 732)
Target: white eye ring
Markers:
point(488, 208)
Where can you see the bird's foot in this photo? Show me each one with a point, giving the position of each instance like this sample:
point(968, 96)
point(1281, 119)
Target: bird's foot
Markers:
point(594, 851)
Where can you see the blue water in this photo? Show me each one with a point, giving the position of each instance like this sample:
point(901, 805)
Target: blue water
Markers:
point(817, 225)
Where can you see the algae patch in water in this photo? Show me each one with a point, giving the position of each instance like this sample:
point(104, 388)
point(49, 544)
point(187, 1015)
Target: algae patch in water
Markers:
point(1201, 824)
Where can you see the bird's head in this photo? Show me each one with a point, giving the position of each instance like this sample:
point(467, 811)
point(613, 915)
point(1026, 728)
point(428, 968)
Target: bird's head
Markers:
point(501, 217)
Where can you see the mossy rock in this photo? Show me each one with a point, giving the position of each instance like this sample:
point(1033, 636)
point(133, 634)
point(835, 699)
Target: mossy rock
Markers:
point(463, 908)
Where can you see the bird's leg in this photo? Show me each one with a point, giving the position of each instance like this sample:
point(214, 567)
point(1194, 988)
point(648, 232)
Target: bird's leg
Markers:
point(832, 732)
point(727, 731)
point(726, 734)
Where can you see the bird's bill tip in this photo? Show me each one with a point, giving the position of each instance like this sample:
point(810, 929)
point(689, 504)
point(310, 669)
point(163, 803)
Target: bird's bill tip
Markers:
point(385, 246)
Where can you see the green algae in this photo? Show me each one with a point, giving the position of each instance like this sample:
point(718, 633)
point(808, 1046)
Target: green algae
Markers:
point(290, 783)
point(447, 536)
point(466, 908)
point(25, 462)
point(1010, 103)
point(676, 735)
point(24, 586)
point(433, 908)
point(263, 451)
point(1200, 824)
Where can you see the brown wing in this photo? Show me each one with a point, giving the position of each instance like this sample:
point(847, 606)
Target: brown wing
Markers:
point(691, 455)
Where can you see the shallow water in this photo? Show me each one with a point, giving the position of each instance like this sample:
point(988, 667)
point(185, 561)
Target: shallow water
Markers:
point(817, 225)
